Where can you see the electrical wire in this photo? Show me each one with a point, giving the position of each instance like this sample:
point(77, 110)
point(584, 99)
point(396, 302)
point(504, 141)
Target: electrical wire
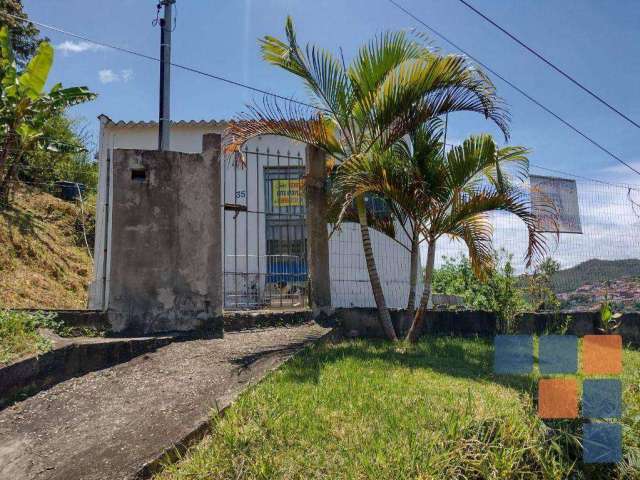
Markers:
point(155, 59)
point(604, 182)
point(515, 87)
point(265, 92)
point(552, 65)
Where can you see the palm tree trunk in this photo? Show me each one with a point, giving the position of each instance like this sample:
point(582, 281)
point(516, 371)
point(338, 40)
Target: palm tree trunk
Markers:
point(378, 294)
point(413, 274)
point(418, 319)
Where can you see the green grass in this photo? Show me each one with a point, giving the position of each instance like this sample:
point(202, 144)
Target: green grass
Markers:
point(369, 410)
point(19, 335)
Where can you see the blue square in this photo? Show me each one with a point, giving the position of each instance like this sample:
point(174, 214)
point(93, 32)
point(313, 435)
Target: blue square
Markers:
point(602, 398)
point(513, 354)
point(602, 443)
point(558, 354)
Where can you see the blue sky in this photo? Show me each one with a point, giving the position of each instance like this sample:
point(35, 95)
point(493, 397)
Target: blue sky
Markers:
point(597, 41)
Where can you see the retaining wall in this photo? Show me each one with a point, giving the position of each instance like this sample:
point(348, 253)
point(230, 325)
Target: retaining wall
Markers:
point(38, 373)
point(363, 322)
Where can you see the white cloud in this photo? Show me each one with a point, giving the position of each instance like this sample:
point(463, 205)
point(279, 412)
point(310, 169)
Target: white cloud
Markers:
point(126, 74)
point(69, 46)
point(109, 76)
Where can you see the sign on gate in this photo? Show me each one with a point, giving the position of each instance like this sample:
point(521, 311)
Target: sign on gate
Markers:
point(287, 192)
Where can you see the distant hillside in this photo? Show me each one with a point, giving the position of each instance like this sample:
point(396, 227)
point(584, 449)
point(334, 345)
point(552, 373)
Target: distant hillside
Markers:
point(595, 271)
point(44, 262)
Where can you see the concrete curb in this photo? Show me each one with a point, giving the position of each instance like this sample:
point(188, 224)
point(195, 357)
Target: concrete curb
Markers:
point(202, 427)
point(35, 374)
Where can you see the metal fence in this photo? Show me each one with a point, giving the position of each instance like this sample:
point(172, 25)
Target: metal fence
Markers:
point(265, 244)
point(603, 260)
point(264, 234)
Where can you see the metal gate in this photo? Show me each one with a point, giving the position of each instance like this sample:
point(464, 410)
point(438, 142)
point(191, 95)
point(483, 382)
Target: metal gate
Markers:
point(264, 234)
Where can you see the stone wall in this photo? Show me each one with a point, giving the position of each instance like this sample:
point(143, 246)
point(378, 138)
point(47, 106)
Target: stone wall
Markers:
point(165, 240)
point(363, 322)
point(236, 321)
point(36, 373)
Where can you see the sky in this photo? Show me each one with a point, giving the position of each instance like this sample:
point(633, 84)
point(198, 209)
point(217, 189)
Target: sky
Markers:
point(598, 42)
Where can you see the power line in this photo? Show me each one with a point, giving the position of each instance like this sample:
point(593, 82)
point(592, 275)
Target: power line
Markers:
point(515, 87)
point(155, 59)
point(574, 175)
point(552, 65)
point(604, 182)
point(265, 92)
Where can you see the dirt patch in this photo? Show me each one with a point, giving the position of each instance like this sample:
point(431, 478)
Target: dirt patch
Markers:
point(108, 424)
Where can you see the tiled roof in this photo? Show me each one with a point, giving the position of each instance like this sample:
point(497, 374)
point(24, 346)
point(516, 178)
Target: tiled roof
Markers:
point(143, 123)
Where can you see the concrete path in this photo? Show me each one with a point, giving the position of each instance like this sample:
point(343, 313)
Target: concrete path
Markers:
point(108, 424)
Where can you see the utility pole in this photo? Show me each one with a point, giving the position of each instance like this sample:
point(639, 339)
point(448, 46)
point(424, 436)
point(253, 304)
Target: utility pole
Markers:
point(164, 116)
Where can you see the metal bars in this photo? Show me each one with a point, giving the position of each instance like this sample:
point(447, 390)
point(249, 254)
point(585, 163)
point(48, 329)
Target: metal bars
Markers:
point(264, 234)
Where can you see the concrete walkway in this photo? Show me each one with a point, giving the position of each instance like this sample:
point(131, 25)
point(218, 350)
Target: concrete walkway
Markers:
point(108, 424)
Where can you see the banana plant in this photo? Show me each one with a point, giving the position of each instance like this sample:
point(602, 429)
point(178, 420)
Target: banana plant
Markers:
point(25, 107)
point(610, 322)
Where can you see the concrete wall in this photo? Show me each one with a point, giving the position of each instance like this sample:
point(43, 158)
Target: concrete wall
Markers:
point(363, 322)
point(165, 242)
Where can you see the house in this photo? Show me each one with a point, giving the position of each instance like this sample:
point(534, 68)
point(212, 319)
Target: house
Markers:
point(264, 234)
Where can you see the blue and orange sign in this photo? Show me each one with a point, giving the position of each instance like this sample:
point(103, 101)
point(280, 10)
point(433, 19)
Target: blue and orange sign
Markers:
point(558, 397)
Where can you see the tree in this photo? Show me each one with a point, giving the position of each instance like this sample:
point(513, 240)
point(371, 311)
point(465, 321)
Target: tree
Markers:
point(540, 286)
point(499, 292)
point(45, 167)
point(24, 35)
point(394, 84)
point(458, 189)
point(390, 174)
point(25, 109)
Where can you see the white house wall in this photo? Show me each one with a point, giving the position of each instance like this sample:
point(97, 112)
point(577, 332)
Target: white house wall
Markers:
point(349, 279)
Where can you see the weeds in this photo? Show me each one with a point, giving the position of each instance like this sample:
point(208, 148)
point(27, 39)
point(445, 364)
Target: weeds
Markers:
point(19, 334)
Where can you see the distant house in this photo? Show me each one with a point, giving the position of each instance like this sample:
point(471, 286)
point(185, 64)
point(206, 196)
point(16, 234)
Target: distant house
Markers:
point(264, 235)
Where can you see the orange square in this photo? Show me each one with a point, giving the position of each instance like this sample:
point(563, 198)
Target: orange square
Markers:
point(558, 398)
point(602, 354)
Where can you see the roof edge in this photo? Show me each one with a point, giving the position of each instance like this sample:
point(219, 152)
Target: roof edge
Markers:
point(144, 123)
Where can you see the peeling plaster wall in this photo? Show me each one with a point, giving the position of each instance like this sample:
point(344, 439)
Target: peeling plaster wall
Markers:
point(166, 251)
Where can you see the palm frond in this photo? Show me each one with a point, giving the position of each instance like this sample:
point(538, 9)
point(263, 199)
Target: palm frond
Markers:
point(380, 56)
point(419, 90)
point(511, 200)
point(322, 73)
point(477, 232)
point(286, 119)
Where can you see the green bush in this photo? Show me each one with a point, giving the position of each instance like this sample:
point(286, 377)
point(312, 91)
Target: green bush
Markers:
point(499, 293)
point(45, 167)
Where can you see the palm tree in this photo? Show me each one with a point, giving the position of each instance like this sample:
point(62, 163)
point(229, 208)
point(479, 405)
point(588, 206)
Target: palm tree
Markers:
point(391, 175)
point(457, 190)
point(394, 84)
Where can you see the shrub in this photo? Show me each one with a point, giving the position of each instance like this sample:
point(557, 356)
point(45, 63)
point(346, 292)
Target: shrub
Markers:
point(499, 293)
point(19, 334)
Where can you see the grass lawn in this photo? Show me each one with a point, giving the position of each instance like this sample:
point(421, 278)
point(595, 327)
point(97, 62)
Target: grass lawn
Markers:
point(368, 410)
